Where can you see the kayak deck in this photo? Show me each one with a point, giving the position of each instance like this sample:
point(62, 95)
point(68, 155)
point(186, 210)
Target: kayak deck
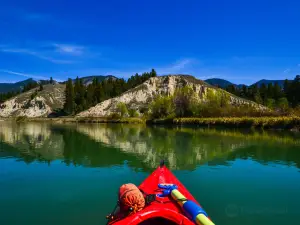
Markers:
point(164, 210)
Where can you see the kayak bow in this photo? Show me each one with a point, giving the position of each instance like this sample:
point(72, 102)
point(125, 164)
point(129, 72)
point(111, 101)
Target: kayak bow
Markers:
point(174, 204)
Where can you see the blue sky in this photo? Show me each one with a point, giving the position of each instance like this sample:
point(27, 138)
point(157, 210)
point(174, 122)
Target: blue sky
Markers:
point(241, 41)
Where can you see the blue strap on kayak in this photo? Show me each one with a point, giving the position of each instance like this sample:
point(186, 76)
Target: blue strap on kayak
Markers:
point(167, 189)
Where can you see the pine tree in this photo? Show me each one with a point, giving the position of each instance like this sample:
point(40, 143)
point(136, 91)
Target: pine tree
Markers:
point(51, 80)
point(263, 93)
point(294, 92)
point(69, 105)
point(79, 91)
point(232, 89)
point(244, 92)
point(153, 73)
point(257, 98)
point(270, 91)
point(90, 95)
point(99, 94)
point(277, 92)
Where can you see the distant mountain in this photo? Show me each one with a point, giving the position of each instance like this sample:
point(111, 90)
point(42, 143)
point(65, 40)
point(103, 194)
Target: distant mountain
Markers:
point(221, 83)
point(266, 82)
point(88, 80)
point(224, 83)
point(218, 82)
point(8, 87)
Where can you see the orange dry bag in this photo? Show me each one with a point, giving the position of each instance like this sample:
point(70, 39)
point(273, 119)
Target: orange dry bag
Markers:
point(131, 198)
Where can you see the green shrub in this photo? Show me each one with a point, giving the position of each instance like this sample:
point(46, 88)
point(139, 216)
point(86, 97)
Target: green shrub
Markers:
point(270, 103)
point(122, 109)
point(133, 113)
point(283, 104)
point(184, 98)
point(162, 106)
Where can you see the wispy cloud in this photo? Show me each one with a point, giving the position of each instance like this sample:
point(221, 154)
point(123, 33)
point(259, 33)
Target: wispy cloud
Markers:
point(180, 66)
point(24, 74)
point(287, 70)
point(39, 54)
point(74, 50)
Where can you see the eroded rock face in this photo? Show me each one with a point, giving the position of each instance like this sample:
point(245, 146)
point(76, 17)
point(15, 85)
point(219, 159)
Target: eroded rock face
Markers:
point(142, 95)
point(41, 105)
point(31, 108)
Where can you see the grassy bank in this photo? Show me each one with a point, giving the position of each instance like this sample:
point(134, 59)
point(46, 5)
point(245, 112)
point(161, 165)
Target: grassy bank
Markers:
point(244, 122)
point(109, 120)
point(287, 123)
point(78, 120)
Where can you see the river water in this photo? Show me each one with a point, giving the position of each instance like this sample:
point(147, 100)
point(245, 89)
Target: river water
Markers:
point(70, 174)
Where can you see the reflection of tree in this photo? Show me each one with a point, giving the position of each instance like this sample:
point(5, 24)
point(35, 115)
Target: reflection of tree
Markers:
point(142, 146)
point(81, 150)
point(32, 141)
point(184, 148)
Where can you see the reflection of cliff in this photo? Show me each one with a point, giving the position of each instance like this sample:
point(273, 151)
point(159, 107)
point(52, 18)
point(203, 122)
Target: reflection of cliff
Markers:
point(134, 140)
point(143, 147)
point(33, 140)
point(185, 148)
point(180, 149)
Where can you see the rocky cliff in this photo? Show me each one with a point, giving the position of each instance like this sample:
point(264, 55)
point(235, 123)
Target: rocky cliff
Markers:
point(35, 103)
point(142, 95)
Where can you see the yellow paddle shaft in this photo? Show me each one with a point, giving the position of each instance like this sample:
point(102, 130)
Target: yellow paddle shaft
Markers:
point(200, 219)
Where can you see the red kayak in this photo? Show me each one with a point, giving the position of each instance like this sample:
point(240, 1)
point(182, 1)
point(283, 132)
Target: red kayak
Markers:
point(165, 210)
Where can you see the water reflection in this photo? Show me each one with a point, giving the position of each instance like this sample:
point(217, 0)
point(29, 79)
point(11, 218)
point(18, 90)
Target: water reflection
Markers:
point(143, 147)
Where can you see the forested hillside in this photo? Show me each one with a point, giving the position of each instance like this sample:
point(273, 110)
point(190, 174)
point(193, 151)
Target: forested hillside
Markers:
point(271, 95)
point(80, 97)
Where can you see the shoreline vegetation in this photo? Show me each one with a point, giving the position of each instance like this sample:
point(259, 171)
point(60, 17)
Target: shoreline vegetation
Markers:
point(281, 123)
point(265, 108)
point(185, 108)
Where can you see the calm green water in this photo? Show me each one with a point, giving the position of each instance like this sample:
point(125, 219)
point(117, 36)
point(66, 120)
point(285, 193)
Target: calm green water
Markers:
point(70, 174)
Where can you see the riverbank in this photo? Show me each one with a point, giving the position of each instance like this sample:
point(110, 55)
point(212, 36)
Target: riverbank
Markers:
point(287, 123)
point(284, 123)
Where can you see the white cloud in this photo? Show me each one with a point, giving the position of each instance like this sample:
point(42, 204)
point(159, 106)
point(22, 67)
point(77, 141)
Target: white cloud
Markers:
point(36, 54)
point(287, 70)
point(74, 50)
point(180, 66)
point(24, 75)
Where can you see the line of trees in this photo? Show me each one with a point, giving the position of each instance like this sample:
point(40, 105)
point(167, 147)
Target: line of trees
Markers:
point(80, 97)
point(8, 95)
point(271, 95)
